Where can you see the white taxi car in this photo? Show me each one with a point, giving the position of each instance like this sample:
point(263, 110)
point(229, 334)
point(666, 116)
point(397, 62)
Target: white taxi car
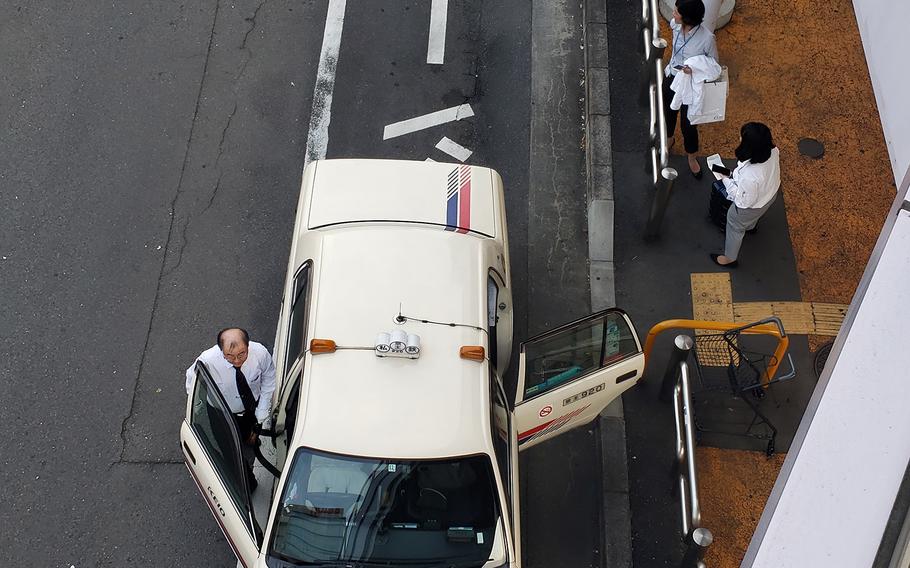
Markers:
point(395, 440)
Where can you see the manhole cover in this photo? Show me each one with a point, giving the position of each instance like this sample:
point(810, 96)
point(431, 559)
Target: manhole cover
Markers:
point(811, 147)
point(821, 357)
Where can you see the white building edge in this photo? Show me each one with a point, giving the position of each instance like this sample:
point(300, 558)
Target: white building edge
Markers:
point(843, 495)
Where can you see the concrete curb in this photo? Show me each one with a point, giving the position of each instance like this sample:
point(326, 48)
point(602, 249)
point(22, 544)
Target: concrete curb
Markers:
point(616, 544)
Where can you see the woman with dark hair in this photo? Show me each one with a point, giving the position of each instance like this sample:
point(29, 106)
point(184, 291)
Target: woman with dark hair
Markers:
point(690, 39)
point(751, 187)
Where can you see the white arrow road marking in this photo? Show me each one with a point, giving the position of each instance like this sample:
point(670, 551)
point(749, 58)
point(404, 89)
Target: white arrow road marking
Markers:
point(318, 138)
point(454, 149)
point(436, 45)
point(427, 121)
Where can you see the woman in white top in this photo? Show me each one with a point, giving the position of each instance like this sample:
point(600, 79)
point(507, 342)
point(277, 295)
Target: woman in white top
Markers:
point(690, 38)
point(752, 187)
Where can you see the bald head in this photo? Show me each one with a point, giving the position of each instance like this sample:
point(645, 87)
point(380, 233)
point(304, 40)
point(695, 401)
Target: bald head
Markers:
point(234, 343)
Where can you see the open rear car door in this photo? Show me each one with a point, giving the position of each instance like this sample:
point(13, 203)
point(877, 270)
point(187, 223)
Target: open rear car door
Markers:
point(567, 376)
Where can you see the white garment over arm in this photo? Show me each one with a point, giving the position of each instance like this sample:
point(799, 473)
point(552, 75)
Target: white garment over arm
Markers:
point(689, 88)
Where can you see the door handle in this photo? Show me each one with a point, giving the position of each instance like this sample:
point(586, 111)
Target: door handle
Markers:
point(626, 376)
point(189, 454)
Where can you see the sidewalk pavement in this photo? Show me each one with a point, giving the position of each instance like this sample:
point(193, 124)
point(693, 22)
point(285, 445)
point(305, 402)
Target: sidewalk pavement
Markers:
point(780, 60)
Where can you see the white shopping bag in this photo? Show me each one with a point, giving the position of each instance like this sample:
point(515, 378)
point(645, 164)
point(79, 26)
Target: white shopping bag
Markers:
point(714, 107)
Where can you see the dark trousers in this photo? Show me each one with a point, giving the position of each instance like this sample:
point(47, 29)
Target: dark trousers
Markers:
point(245, 423)
point(689, 130)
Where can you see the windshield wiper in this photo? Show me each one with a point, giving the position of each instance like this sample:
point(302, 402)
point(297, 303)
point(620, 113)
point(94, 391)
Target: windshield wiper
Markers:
point(431, 563)
point(369, 563)
point(323, 563)
point(456, 564)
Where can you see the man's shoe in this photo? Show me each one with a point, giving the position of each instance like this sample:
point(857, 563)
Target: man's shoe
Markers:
point(714, 257)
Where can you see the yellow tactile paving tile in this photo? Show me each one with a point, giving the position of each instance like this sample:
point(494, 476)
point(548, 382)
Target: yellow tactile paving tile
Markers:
point(828, 317)
point(712, 300)
point(796, 316)
point(712, 296)
point(800, 318)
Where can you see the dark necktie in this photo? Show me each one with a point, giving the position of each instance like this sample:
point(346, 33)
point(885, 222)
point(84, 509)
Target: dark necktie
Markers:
point(246, 395)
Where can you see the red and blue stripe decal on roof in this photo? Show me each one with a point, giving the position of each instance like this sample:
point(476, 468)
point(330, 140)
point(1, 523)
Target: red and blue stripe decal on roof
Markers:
point(458, 200)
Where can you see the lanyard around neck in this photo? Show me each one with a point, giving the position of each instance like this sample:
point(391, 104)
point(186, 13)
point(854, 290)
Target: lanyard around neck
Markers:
point(678, 51)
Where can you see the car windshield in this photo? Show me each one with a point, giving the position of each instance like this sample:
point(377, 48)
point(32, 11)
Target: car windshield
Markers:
point(390, 512)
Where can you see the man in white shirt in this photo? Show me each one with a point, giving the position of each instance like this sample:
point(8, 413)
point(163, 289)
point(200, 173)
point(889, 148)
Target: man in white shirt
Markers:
point(244, 373)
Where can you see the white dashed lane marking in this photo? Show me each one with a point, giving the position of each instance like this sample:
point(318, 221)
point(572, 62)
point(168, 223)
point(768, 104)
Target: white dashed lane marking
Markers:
point(427, 121)
point(453, 149)
point(318, 138)
point(436, 45)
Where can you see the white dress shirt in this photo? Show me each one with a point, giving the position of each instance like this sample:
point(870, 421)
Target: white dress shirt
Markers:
point(259, 370)
point(698, 41)
point(752, 186)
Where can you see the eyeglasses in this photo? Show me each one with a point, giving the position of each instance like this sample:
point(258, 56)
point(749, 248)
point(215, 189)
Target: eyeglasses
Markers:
point(235, 356)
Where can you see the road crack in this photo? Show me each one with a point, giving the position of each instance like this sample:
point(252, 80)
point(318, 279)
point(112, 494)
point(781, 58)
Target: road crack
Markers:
point(253, 20)
point(162, 274)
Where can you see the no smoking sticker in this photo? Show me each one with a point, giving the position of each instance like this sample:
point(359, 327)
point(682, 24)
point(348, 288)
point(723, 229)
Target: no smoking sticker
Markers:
point(545, 411)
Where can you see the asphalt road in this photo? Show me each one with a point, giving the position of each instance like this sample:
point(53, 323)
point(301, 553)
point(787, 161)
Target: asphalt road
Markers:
point(149, 172)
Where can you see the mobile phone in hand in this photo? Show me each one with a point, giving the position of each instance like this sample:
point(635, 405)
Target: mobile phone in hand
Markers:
point(721, 170)
point(678, 67)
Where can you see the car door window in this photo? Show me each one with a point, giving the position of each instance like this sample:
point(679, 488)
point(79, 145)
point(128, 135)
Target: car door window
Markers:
point(298, 318)
point(211, 421)
point(492, 299)
point(568, 354)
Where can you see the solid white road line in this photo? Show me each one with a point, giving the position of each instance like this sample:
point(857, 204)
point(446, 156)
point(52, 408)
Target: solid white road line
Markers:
point(436, 45)
point(321, 116)
point(453, 149)
point(427, 121)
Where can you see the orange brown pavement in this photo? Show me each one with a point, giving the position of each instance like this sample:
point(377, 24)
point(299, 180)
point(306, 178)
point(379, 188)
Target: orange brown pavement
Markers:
point(799, 67)
point(733, 488)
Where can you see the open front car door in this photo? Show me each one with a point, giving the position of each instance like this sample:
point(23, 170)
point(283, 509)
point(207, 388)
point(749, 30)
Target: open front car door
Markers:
point(567, 376)
point(212, 451)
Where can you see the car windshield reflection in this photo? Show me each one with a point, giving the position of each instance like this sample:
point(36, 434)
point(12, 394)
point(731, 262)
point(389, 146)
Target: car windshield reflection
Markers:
point(410, 512)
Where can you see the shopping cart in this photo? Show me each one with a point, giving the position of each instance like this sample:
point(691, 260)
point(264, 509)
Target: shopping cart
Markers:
point(743, 362)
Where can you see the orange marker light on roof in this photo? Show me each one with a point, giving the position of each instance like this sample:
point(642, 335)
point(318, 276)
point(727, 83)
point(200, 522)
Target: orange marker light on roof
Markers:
point(472, 352)
point(322, 346)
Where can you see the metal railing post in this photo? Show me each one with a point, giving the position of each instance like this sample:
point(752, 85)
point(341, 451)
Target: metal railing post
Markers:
point(659, 202)
point(696, 544)
point(651, 81)
point(682, 345)
point(645, 26)
point(654, 52)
